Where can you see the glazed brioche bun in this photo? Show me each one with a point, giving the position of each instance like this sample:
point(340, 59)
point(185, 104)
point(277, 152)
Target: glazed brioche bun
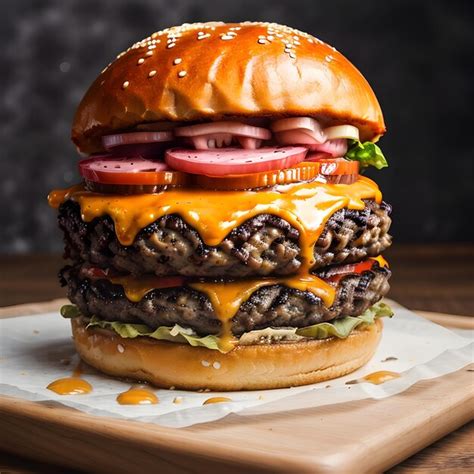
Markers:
point(212, 71)
point(264, 366)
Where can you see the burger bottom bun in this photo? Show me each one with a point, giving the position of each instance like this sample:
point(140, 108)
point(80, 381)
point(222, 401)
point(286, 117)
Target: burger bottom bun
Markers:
point(168, 364)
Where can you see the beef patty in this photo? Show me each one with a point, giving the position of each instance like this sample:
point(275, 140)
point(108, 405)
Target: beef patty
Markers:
point(264, 245)
point(271, 306)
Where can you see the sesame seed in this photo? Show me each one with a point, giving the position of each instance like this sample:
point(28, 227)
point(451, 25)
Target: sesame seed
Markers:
point(205, 363)
point(226, 37)
point(262, 41)
point(329, 58)
point(152, 46)
point(120, 348)
point(141, 61)
point(177, 61)
point(182, 73)
point(261, 36)
point(149, 53)
point(270, 38)
point(216, 365)
point(125, 84)
point(171, 45)
point(292, 55)
point(151, 73)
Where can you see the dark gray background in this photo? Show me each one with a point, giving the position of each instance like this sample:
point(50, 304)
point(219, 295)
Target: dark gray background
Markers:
point(417, 55)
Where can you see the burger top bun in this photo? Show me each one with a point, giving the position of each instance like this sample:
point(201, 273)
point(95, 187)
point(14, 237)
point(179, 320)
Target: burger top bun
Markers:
point(210, 71)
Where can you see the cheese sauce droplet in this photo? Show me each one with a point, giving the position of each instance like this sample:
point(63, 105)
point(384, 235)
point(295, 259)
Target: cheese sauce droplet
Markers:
point(211, 400)
point(70, 386)
point(137, 396)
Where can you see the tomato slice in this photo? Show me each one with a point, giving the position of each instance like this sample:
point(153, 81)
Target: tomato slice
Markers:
point(301, 172)
point(230, 161)
point(335, 167)
point(337, 272)
point(327, 170)
point(112, 170)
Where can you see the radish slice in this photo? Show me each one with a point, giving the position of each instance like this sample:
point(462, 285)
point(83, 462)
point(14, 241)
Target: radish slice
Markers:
point(342, 131)
point(120, 139)
point(335, 148)
point(228, 161)
point(298, 131)
point(108, 169)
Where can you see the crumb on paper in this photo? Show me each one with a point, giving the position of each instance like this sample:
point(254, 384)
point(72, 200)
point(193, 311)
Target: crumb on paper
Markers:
point(388, 359)
point(178, 400)
point(35, 331)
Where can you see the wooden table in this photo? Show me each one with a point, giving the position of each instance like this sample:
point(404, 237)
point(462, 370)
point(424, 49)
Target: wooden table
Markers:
point(426, 277)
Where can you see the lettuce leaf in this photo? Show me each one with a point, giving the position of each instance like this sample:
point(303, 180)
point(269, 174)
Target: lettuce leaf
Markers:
point(175, 333)
point(367, 154)
point(342, 327)
point(338, 328)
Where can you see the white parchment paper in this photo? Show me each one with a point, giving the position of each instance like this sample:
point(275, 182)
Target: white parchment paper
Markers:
point(35, 350)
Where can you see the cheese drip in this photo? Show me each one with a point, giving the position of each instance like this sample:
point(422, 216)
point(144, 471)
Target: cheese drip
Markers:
point(214, 214)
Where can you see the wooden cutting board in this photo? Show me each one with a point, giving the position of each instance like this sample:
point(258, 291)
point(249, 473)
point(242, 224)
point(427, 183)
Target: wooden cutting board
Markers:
point(361, 436)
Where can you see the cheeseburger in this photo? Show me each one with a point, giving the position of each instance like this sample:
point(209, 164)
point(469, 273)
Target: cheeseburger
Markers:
point(224, 235)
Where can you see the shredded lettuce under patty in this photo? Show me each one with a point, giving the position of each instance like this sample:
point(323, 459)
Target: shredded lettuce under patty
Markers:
point(367, 154)
point(340, 328)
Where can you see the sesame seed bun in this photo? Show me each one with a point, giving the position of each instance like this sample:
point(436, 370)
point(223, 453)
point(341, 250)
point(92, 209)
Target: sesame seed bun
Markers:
point(215, 70)
point(264, 366)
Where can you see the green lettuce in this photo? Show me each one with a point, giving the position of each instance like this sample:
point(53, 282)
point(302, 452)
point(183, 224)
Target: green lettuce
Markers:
point(175, 333)
point(338, 328)
point(342, 327)
point(367, 154)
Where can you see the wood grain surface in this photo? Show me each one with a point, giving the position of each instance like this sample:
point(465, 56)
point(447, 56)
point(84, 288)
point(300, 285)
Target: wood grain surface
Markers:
point(431, 278)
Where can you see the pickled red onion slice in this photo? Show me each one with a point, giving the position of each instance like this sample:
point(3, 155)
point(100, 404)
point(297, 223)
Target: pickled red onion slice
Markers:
point(132, 138)
point(226, 127)
point(335, 148)
point(212, 135)
point(304, 125)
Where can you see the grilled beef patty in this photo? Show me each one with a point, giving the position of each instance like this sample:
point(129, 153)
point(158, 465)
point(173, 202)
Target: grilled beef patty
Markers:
point(264, 245)
point(272, 306)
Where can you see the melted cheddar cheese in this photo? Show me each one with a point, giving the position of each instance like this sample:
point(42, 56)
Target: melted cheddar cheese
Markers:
point(305, 206)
